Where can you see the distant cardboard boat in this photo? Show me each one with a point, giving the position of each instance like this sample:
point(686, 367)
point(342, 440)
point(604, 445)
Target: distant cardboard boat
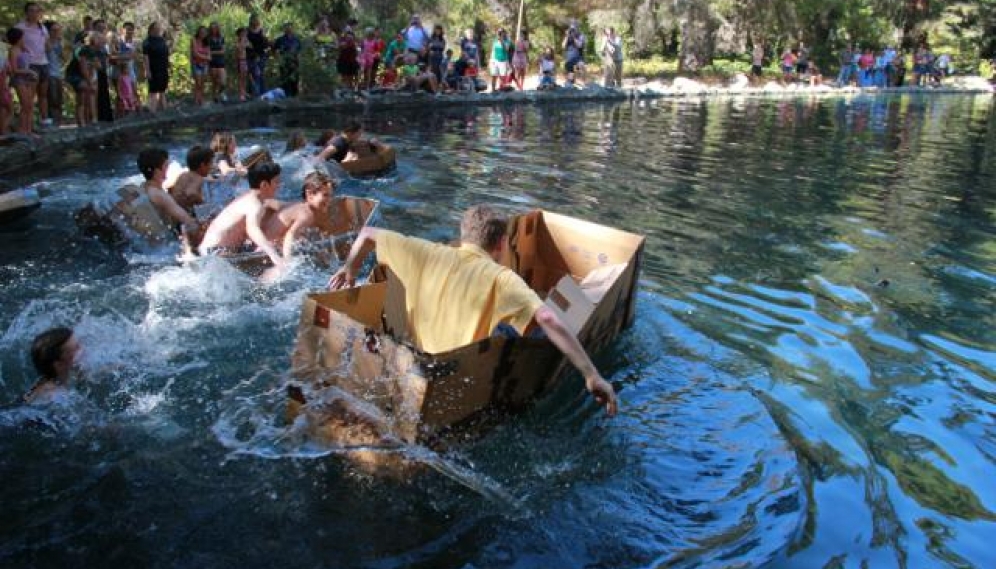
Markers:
point(349, 339)
point(346, 216)
point(381, 159)
point(17, 204)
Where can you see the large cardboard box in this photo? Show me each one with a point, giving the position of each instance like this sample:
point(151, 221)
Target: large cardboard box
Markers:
point(355, 340)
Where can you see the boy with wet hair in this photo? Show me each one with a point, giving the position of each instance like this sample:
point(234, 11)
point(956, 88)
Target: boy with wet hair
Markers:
point(53, 353)
point(152, 163)
point(238, 228)
point(291, 220)
point(188, 189)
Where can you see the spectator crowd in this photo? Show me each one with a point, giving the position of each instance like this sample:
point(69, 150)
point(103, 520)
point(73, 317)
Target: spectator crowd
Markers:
point(104, 67)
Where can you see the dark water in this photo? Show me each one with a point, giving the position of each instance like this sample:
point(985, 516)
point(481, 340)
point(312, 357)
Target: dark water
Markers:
point(809, 382)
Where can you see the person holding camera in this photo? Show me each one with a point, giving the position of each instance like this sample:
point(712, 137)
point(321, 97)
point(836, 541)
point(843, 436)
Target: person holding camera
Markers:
point(612, 58)
point(573, 52)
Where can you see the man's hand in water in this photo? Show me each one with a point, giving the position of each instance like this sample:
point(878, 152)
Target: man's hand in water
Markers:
point(342, 279)
point(603, 393)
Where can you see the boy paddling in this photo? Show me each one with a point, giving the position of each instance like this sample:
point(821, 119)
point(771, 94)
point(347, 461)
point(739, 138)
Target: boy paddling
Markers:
point(238, 227)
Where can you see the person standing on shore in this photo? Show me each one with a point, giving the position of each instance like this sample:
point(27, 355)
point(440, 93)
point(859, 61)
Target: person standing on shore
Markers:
point(520, 59)
point(241, 60)
point(155, 52)
point(54, 50)
point(469, 50)
point(288, 47)
point(128, 51)
point(216, 47)
point(757, 60)
point(612, 58)
point(23, 79)
point(573, 52)
point(846, 59)
point(499, 69)
point(437, 50)
point(35, 42)
point(257, 54)
point(802, 60)
point(200, 57)
point(417, 39)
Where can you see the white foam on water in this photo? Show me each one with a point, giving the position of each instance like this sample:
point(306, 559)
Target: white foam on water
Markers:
point(209, 280)
point(64, 412)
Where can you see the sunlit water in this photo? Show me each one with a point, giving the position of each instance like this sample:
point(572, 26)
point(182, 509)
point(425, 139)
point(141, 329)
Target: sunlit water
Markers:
point(809, 381)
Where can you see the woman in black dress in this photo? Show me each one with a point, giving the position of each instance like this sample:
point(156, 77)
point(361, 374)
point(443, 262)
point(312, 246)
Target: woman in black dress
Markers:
point(105, 111)
point(156, 52)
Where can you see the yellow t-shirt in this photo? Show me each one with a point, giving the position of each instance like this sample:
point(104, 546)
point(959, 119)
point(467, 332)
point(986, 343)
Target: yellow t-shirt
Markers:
point(454, 296)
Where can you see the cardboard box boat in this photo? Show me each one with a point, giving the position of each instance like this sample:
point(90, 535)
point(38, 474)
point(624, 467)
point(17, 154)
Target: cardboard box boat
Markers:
point(380, 160)
point(347, 215)
point(354, 339)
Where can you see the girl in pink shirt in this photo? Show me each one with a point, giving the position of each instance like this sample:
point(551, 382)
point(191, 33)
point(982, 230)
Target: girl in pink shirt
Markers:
point(369, 54)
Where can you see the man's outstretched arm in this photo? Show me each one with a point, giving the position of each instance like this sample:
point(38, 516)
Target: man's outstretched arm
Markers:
point(567, 343)
point(365, 242)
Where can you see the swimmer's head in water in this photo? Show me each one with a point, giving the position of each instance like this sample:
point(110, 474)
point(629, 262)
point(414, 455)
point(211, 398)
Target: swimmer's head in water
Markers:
point(296, 141)
point(53, 352)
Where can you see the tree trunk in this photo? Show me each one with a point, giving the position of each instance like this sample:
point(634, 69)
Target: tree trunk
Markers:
point(645, 27)
point(698, 42)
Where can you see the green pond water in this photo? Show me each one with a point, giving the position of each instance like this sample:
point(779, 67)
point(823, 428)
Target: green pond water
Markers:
point(809, 381)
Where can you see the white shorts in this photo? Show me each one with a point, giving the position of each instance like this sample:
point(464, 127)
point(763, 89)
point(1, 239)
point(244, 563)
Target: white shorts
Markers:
point(499, 68)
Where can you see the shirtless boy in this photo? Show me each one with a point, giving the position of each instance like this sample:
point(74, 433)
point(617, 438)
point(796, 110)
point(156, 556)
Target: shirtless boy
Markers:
point(152, 163)
point(240, 222)
point(188, 189)
point(291, 220)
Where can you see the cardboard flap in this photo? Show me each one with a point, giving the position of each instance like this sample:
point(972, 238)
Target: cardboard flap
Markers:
point(570, 302)
point(348, 214)
point(364, 304)
point(598, 282)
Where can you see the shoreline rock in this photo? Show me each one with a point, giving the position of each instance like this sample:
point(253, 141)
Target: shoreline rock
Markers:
point(19, 154)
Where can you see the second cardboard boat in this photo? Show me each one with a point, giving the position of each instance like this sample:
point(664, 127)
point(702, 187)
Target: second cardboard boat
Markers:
point(381, 159)
point(346, 216)
point(353, 340)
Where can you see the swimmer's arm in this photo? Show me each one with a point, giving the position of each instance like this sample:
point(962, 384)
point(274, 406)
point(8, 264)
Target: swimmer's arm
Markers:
point(365, 242)
point(255, 233)
point(300, 223)
point(168, 205)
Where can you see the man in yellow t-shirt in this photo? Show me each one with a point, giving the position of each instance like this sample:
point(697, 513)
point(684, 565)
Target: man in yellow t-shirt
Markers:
point(456, 296)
